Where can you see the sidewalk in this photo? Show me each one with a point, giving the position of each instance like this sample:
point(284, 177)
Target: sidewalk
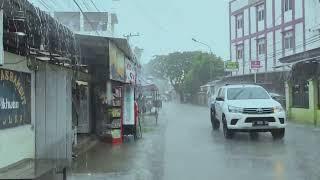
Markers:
point(85, 143)
point(130, 160)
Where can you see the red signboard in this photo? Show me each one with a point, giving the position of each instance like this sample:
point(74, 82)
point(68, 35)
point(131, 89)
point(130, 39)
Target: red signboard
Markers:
point(255, 65)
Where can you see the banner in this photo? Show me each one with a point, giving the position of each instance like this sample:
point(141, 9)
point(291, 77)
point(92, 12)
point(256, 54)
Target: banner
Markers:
point(130, 72)
point(69, 19)
point(128, 118)
point(231, 66)
point(15, 98)
point(116, 63)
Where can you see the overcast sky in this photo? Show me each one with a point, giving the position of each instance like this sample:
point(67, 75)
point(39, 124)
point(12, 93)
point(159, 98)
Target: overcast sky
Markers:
point(164, 25)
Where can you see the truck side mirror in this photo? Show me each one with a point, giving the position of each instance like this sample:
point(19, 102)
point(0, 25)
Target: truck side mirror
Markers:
point(219, 99)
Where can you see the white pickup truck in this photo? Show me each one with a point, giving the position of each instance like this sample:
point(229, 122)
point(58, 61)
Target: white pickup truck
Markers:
point(247, 108)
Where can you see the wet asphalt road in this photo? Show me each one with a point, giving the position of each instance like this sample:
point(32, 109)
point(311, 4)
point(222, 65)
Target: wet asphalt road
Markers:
point(184, 146)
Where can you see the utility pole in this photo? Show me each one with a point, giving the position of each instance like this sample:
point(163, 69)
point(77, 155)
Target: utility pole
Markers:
point(128, 36)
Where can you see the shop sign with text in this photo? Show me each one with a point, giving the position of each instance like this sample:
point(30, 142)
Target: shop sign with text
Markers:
point(255, 64)
point(231, 66)
point(15, 98)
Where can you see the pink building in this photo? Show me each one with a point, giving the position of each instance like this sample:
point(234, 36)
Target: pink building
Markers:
point(266, 30)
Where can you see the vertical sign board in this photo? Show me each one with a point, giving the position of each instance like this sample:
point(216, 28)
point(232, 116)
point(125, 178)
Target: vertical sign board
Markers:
point(128, 118)
point(130, 72)
point(1, 38)
point(15, 99)
point(138, 75)
point(116, 63)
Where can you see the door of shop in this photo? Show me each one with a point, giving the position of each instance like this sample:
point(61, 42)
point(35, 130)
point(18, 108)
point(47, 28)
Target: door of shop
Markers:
point(84, 125)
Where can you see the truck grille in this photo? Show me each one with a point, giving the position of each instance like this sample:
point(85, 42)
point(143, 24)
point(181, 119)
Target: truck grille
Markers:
point(254, 119)
point(258, 110)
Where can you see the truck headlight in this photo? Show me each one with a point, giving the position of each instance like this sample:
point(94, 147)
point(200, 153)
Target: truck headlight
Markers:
point(278, 109)
point(233, 109)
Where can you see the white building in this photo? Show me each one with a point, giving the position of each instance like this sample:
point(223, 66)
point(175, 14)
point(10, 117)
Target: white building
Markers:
point(266, 30)
point(89, 23)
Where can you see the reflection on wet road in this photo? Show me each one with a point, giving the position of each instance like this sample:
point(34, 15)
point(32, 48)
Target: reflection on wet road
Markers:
point(184, 146)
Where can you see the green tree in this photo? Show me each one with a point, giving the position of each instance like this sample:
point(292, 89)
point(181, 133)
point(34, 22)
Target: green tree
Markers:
point(205, 68)
point(186, 71)
point(173, 67)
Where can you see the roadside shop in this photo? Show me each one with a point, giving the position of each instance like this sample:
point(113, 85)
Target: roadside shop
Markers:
point(112, 97)
point(303, 86)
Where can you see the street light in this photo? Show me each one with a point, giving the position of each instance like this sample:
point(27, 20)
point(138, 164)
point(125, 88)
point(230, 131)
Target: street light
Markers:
point(210, 68)
point(193, 39)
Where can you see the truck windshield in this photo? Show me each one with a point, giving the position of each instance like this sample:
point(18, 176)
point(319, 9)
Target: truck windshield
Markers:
point(247, 93)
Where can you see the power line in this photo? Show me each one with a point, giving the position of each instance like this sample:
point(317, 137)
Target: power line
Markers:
point(279, 52)
point(86, 17)
point(150, 18)
point(86, 5)
point(95, 5)
point(44, 4)
point(56, 4)
point(310, 40)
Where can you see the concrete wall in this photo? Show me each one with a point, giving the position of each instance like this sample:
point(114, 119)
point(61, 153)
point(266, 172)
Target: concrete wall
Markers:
point(301, 115)
point(19, 142)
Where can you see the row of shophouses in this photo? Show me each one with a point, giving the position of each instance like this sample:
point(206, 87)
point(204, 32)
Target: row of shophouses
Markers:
point(282, 37)
point(54, 84)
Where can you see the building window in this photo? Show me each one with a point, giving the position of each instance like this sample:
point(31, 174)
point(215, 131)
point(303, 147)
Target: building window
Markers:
point(239, 52)
point(288, 40)
point(287, 5)
point(239, 19)
point(300, 94)
point(261, 12)
point(261, 44)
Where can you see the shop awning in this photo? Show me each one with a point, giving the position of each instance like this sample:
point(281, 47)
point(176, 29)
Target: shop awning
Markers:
point(313, 54)
point(100, 42)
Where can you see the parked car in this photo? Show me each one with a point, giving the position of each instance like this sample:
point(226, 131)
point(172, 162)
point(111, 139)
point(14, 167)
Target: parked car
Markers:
point(247, 108)
point(280, 98)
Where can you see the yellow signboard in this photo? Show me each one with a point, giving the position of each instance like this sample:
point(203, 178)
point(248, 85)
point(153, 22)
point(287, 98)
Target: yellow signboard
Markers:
point(231, 66)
